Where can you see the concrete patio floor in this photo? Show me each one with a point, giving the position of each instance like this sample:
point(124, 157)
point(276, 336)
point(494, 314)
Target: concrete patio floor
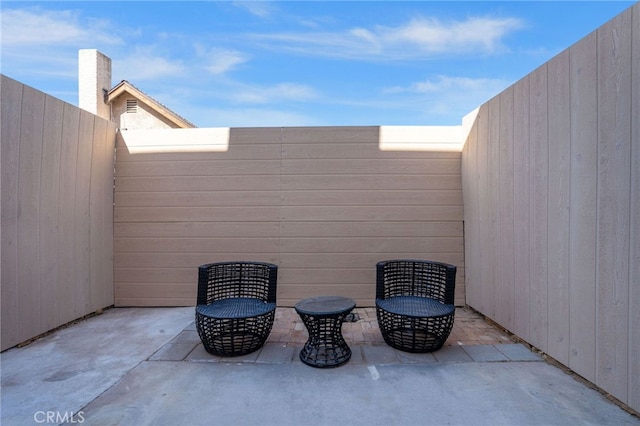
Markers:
point(146, 366)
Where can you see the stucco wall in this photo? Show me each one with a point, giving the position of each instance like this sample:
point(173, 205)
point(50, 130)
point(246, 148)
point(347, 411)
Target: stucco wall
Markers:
point(145, 116)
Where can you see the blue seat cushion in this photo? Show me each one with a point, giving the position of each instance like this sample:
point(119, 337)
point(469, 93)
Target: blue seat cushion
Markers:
point(240, 307)
point(415, 306)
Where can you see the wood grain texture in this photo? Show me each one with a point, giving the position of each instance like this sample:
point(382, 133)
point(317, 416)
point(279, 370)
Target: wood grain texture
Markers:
point(471, 204)
point(11, 109)
point(326, 203)
point(505, 314)
point(634, 234)
point(583, 215)
point(50, 212)
point(614, 171)
point(573, 173)
point(484, 267)
point(29, 166)
point(57, 220)
point(538, 207)
point(521, 208)
point(559, 197)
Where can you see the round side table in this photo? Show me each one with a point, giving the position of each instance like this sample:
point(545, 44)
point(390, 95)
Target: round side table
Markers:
point(323, 316)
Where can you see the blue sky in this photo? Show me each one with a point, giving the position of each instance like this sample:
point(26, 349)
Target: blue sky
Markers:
point(298, 63)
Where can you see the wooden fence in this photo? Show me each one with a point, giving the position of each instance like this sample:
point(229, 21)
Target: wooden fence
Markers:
point(324, 203)
point(57, 215)
point(551, 181)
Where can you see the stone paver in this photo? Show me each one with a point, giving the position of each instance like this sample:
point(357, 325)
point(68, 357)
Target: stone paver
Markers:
point(276, 353)
point(158, 373)
point(472, 339)
point(173, 352)
point(518, 352)
point(484, 353)
point(380, 355)
point(469, 328)
point(452, 354)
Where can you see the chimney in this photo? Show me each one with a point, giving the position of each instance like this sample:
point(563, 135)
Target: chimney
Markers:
point(94, 81)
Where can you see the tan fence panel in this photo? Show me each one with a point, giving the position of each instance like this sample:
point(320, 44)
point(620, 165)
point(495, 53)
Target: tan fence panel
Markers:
point(614, 196)
point(559, 204)
point(558, 182)
point(521, 208)
point(179, 209)
point(57, 203)
point(634, 243)
point(346, 205)
point(324, 203)
point(11, 105)
point(583, 211)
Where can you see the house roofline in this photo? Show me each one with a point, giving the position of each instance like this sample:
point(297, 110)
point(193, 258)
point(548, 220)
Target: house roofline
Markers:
point(125, 86)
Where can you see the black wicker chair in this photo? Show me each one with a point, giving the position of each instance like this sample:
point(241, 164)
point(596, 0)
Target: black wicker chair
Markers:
point(236, 306)
point(415, 303)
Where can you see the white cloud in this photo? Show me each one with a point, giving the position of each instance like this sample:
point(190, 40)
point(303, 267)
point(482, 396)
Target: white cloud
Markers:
point(443, 83)
point(145, 64)
point(257, 8)
point(364, 35)
point(34, 26)
point(431, 35)
point(444, 95)
point(419, 38)
point(278, 92)
point(221, 61)
point(41, 44)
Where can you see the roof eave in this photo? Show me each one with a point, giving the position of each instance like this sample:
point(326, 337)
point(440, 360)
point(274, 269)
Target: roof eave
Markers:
point(126, 87)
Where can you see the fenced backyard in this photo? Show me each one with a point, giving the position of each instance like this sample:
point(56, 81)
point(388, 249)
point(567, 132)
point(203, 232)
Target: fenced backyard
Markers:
point(547, 240)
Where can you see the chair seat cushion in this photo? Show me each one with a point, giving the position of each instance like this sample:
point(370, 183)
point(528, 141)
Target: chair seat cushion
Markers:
point(236, 308)
point(413, 306)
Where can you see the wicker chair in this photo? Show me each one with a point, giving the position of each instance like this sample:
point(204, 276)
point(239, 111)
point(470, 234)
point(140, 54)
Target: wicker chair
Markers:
point(236, 306)
point(415, 303)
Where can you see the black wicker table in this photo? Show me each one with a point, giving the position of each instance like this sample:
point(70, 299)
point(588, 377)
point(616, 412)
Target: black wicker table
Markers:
point(323, 316)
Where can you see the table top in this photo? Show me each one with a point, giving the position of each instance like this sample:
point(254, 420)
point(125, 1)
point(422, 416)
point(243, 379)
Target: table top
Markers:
point(325, 305)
